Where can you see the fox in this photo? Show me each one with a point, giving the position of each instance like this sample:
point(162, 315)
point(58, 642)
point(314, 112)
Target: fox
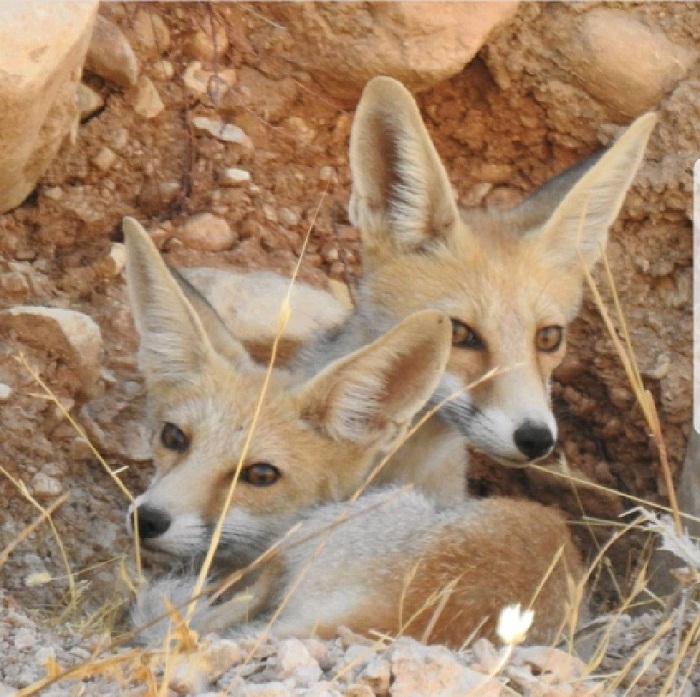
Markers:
point(387, 559)
point(511, 282)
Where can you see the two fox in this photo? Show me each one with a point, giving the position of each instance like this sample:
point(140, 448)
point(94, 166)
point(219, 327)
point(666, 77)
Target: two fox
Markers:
point(501, 288)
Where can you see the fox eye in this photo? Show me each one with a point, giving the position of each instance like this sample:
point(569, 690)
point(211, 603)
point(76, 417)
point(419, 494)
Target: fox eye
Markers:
point(463, 336)
point(260, 474)
point(548, 339)
point(173, 438)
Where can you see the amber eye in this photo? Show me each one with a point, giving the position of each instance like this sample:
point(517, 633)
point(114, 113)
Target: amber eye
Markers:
point(463, 336)
point(549, 339)
point(260, 474)
point(172, 438)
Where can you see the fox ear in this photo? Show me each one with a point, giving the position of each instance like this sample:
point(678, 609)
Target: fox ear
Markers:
point(174, 344)
point(401, 195)
point(580, 223)
point(376, 391)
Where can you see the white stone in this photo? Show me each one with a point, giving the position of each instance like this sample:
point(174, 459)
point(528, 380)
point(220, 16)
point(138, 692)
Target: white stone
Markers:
point(207, 232)
point(5, 392)
point(220, 130)
point(104, 159)
point(41, 53)
point(232, 176)
point(293, 658)
point(110, 55)
point(151, 32)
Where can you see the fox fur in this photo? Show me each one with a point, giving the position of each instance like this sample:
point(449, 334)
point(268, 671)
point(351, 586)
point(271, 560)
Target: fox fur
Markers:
point(511, 281)
point(390, 560)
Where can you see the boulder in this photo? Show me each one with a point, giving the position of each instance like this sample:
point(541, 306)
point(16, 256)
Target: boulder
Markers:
point(41, 58)
point(70, 335)
point(342, 45)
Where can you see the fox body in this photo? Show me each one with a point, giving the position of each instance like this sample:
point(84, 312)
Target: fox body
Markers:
point(390, 560)
point(511, 281)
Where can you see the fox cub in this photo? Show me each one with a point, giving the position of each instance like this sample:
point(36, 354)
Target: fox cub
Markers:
point(510, 282)
point(389, 560)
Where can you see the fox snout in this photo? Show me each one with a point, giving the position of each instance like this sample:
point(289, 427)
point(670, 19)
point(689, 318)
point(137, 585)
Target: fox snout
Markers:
point(151, 522)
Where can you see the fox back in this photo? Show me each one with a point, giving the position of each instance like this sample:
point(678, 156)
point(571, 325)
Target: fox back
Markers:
point(510, 281)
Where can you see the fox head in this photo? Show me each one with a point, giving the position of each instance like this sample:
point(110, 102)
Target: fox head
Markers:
point(510, 281)
point(312, 441)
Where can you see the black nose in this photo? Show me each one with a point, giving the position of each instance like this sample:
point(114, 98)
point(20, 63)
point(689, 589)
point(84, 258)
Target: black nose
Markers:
point(152, 522)
point(533, 440)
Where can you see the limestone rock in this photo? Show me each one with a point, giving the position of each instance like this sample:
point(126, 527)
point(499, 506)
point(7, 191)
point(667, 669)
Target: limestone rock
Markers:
point(233, 176)
point(110, 55)
point(220, 130)
point(41, 56)
point(151, 32)
point(623, 62)
point(249, 304)
point(72, 335)
point(88, 101)
point(420, 43)
point(207, 232)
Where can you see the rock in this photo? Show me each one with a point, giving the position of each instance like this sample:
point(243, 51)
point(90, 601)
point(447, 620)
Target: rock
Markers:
point(288, 217)
point(207, 233)
point(232, 176)
point(205, 45)
point(151, 32)
point(146, 100)
point(249, 304)
point(45, 487)
point(207, 82)
point(622, 61)
point(220, 130)
point(41, 55)
point(72, 335)
point(110, 55)
point(560, 667)
point(270, 689)
point(5, 392)
point(294, 660)
point(420, 43)
point(377, 675)
point(88, 101)
point(104, 159)
point(433, 670)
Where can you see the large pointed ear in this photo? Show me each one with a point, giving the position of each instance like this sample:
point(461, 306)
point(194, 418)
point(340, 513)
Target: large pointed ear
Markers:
point(174, 345)
point(580, 223)
point(401, 195)
point(367, 395)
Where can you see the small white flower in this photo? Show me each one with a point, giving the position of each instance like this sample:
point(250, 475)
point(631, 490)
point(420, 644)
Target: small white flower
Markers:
point(513, 624)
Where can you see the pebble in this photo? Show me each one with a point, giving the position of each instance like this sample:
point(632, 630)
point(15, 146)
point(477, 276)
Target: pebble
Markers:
point(104, 159)
point(110, 54)
point(146, 100)
point(88, 101)
point(226, 132)
point(151, 32)
point(5, 392)
point(207, 233)
point(288, 217)
point(45, 487)
point(232, 176)
point(206, 45)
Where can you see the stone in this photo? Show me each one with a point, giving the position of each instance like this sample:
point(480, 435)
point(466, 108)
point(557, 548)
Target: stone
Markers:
point(41, 56)
point(88, 101)
point(45, 487)
point(220, 130)
point(343, 45)
point(622, 61)
point(233, 176)
point(206, 45)
point(209, 82)
point(110, 55)
point(5, 392)
point(294, 659)
point(249, 305)
point(150, 32)
point(146, 100)
point(72, 335)
point(104, 159)
point(207, 233)
point(433, 670)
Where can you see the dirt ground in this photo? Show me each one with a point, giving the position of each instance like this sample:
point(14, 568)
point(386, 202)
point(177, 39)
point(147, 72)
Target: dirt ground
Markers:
point(54, 250)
